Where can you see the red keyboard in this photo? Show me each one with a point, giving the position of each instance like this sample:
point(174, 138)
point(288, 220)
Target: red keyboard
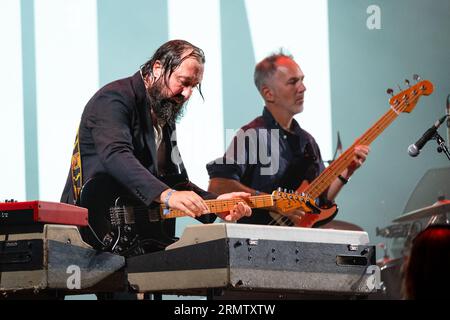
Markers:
point(16, 213)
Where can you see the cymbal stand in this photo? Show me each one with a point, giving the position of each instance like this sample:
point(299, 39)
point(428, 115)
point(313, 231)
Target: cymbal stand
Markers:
point(413, 231)
point(439, 219)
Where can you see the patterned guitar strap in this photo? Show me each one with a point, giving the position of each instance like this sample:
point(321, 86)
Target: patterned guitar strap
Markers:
point(75, 170)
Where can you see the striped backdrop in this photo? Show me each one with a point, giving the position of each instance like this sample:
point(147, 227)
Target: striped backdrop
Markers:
point(57, 53)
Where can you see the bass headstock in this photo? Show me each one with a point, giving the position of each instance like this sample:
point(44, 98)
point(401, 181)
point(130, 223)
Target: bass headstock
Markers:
point(406, 100)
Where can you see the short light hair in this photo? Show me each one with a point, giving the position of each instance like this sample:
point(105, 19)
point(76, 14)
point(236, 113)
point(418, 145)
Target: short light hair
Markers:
point(266, 68)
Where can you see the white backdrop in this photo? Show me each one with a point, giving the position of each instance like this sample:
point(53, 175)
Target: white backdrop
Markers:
point(67, 75)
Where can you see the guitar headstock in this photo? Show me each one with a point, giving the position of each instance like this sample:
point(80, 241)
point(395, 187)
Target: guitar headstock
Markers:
point(286, 201)
point(406, 100)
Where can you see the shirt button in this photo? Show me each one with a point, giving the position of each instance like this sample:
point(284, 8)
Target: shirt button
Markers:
point(285, 137)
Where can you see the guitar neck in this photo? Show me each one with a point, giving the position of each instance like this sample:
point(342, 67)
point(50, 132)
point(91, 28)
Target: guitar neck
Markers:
point(324, 180)
point(217, 206)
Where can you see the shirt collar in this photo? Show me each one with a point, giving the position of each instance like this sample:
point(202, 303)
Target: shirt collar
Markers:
point(273, 124)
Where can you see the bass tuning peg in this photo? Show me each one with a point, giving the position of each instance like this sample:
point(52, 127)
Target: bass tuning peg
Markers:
point(390, 91)
point(408, 83)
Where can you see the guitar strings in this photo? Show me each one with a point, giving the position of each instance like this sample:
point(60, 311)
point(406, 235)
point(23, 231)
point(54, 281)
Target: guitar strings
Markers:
point(346, 158)
point(261, 200)
point(329, 174)
point(339, 165)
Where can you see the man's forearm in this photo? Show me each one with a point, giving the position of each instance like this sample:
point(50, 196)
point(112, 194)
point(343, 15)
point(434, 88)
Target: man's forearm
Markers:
point(336, 186)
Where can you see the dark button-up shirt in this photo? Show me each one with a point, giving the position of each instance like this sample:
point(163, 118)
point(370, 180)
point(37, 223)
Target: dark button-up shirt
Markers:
point(264, 156)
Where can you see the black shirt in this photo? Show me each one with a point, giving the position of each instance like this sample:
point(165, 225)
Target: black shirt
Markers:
point(264, 156)
point(116, 137)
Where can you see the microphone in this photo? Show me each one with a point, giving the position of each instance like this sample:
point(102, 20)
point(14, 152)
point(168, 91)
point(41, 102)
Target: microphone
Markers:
point(414, 149)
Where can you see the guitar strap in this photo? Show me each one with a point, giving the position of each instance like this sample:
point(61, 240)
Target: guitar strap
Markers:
point(75, 169)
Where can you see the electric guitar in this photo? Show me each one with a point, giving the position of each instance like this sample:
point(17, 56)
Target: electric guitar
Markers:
point(120, 224)
point(405, 101)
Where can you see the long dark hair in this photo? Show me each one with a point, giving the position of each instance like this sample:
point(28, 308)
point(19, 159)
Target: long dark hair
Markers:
point(171, 55)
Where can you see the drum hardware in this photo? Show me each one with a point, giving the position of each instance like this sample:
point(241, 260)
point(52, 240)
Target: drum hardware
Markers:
point(386, 256)
point(414, 230)
point(393, 231)
point(439, 219)
point(440, 207)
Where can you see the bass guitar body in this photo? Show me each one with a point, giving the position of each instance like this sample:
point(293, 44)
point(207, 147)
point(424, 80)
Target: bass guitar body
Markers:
point(322, 215)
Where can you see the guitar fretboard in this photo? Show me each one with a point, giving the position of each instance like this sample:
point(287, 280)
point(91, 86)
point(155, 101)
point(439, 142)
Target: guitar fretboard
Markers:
point(325, 179)
point(217, 206)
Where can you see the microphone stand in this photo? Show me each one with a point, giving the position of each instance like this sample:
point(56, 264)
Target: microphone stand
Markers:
point(448, 120)
point(442, 147)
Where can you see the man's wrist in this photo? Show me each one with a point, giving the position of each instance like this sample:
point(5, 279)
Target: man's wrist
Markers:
point(165, 200)
point(163, 195)
point(343, 180)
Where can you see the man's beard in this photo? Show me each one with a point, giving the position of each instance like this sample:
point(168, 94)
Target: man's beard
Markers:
point(167, 110)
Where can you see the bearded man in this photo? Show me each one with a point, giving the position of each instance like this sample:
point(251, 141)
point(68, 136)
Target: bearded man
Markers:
point(127, 131)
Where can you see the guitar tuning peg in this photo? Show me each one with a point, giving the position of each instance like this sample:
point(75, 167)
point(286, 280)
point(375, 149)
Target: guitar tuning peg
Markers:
point(416, 77)
point(390, 91)
point(285, 190)
point(408, 83)
point(279, 189)
point(291, 191)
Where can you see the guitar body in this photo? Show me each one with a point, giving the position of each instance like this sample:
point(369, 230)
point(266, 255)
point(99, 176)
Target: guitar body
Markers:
point(312, 220)
point(309, 220)
point(118, 222)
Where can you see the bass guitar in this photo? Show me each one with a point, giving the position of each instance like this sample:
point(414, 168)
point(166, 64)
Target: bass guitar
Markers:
point(405, 101)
